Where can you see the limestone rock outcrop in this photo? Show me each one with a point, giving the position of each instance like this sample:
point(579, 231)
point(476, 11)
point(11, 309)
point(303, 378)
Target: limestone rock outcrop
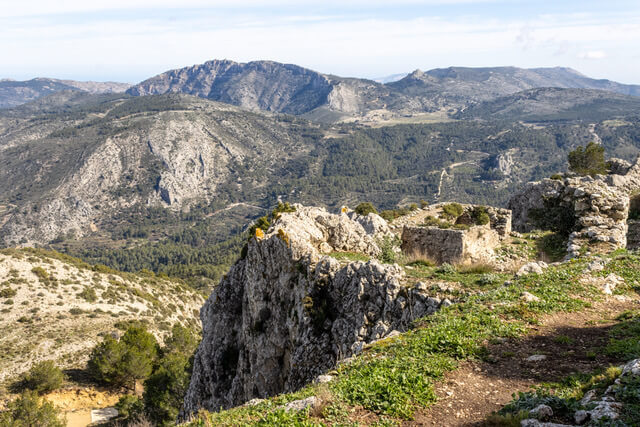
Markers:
point(285, 313)
point(594, 209)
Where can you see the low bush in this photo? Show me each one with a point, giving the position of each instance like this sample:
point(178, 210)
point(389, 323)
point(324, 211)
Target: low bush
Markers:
point(44, 377)
point(452, 210)
point(8, 293)
point(29, 410)
point(365, 208)
point(480, 215)
point(588, 160)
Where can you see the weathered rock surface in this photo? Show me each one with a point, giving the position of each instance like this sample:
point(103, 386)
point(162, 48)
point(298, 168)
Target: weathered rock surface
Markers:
point(453, 246)
point(595, 209)
point(284, 314)
point(593, 409)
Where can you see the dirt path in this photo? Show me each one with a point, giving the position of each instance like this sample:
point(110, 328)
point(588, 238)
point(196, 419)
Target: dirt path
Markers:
point(569, 342)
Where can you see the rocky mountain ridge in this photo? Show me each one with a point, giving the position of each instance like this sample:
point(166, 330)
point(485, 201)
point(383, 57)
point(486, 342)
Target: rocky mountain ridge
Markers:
point(272, 86)
point(14, 93)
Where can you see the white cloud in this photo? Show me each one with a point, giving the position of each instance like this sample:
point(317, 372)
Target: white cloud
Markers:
point(593, 54)
point(138, 45)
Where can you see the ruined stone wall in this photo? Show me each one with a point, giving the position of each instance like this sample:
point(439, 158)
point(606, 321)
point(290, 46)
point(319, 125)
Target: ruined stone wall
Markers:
point(450, 245)
point(599, 206)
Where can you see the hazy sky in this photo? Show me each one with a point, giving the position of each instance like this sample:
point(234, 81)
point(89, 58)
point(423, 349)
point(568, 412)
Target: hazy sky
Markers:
point(130, 40)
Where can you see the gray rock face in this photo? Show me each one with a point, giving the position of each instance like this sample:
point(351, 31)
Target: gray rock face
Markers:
point(598, 205)
point(257, 85)
point(285, 313)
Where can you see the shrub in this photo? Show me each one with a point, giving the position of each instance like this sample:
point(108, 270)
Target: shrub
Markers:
point(480, 215)
point(44, 377)
point(446, 268)
point(30, 410)
point(387, 252)
point(40, 272)
point(391, 214)
point(365, 208)
point(431, 221)
point(588, 160)
point(130, 407)
point(88, 294)
point(452, 210)
point(424, 204)
point(165, 389)
point(182, 341)
point(126, 361)
point(557, 176)
point(8, 293)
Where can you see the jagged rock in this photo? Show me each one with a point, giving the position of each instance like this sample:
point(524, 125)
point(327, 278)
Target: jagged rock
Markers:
point(372, 223)
point(254, 402)
point(581, 416)
point(536, 358)
point(536, 267)
point(299, 405)
point(535, 423)
point(588, 397)
point(323, 379)
point(528, 297)
point(598, 205)
point(541, 412)
point(285, 314)
point(611, 282)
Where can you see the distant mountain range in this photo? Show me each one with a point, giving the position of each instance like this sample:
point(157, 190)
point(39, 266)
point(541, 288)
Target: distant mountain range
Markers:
point(291, 89)
point(286, 88)
point(14, 93)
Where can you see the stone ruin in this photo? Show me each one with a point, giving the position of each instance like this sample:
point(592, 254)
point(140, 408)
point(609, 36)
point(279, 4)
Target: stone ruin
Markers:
point(599, 212)
point(473, 243)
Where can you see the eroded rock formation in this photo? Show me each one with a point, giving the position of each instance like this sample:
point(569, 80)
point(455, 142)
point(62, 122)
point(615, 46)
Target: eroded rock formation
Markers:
point(594, 210)
point(285, 313)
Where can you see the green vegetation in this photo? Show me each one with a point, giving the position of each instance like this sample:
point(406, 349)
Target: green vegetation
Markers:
point(124, 362)
point(29, 410)
point(166, 384)
point(88, 294)
point(365, 208)
point(350, 256)
point(480, 215)
point(388, 245)
point(7, 293)
point(588, 160)
point(263, 223)
point(43, 377)
point(452, 210)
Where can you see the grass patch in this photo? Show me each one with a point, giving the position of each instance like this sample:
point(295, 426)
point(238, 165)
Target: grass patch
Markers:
point(350, 256)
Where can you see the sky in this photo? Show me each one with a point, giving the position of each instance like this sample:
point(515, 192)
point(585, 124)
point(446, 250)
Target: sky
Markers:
point(131, 40)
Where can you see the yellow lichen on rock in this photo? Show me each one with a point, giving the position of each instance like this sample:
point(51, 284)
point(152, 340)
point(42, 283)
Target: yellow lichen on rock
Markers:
point(284, 236)
point(259, 234)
